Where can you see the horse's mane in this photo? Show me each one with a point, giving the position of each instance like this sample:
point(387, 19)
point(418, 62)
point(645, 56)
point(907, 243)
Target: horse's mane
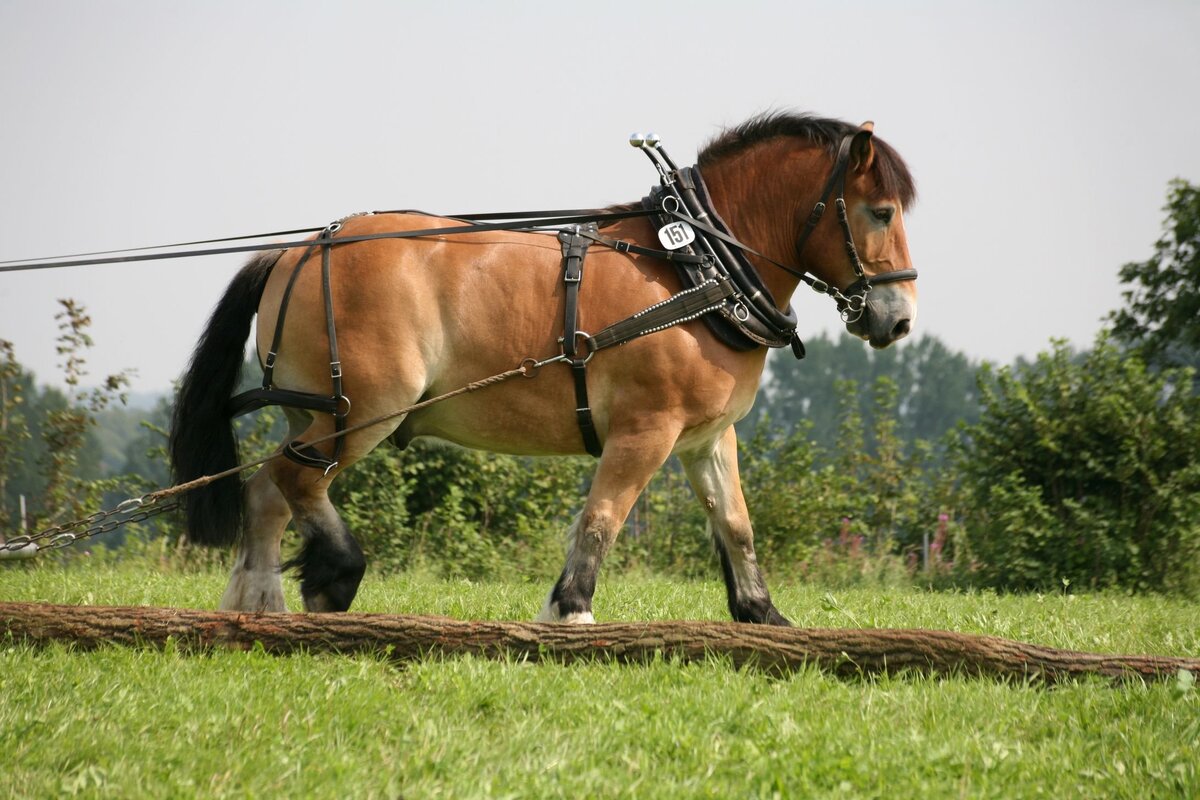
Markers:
point(891, 173)
point(892, 178)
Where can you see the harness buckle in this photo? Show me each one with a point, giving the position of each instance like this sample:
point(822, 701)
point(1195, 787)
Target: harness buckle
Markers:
point(335, 369)
point(589, 345)
point(840, 204)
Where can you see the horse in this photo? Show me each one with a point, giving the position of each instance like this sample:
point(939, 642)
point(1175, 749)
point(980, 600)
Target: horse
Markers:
point(417, 317)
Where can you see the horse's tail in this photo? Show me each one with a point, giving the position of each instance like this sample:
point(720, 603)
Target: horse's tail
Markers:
point(202, 436)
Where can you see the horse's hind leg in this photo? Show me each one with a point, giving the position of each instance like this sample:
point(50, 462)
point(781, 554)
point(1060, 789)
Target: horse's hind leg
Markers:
point(713, 473)
point(625, 468)
point(255, 584)
point(330, 563)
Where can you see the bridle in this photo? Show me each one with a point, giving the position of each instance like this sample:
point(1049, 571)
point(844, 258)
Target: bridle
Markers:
point(851, 301)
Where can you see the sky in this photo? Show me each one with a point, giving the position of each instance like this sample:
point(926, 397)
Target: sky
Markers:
point(1042, 136)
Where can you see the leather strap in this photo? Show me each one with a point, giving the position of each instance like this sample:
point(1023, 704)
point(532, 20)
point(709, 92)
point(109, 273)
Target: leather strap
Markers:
point(537, 223)
point(308, 456)
point(622, 246)
point(575, 246)
point(255, 399)
point(337, 405)
point(335, 363)
point(675, 310)
point(277, 337)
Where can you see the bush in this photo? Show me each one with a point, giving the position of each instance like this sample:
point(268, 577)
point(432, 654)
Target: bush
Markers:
point(1084, 470)
point(462, 513)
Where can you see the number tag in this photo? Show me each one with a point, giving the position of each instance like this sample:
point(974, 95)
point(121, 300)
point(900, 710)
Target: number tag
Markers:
point(675, 235)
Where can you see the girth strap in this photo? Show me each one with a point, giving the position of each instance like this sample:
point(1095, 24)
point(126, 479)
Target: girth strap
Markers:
point(574, 248)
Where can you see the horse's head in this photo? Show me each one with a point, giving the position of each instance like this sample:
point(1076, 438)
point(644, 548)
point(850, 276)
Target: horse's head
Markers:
point(877, 189)
point(841, 194)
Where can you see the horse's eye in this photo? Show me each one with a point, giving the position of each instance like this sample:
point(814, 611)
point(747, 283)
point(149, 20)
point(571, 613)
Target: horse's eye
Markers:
point(884, 215)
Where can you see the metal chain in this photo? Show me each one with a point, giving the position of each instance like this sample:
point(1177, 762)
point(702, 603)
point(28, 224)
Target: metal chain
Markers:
point(135, 509)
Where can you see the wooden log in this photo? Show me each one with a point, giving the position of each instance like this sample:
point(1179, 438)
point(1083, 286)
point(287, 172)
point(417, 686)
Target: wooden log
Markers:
point(842, 651)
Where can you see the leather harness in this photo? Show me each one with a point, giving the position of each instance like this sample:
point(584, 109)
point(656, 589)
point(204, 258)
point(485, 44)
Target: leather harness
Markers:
point(336, 404)
point(716, 274)
point(574, 250)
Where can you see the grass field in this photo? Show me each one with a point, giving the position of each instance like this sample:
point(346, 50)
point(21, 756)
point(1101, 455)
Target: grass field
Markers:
point(146, 723)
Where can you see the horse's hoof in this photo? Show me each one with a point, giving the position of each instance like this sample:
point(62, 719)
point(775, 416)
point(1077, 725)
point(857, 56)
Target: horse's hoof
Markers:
point(253, 592)
point(549, 613)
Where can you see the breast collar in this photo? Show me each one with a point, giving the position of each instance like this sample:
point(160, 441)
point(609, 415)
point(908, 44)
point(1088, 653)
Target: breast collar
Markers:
point(751, 318)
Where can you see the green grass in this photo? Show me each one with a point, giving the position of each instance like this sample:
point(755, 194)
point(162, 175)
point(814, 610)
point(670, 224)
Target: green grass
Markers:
point(146, 723)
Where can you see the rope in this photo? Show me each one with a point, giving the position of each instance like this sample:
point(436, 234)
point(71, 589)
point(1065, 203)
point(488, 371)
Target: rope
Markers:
point(524, 369)
point(139, 508)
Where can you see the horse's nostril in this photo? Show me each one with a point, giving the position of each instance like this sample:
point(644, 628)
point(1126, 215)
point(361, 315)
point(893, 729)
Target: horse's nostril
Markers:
point(901, 330)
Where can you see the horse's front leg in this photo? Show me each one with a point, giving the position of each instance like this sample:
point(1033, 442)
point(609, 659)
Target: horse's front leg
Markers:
point(713, 473)
point(628, 464)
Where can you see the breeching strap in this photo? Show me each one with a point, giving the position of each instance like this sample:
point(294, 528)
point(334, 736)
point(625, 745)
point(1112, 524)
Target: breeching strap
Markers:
point(337, 404)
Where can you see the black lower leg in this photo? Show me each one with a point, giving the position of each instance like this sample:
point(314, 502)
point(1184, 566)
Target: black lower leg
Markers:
point(747, 603)
point(572, 594)
point(330, 565)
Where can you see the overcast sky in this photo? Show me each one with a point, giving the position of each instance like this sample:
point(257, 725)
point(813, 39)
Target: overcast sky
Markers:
point(1042, 136)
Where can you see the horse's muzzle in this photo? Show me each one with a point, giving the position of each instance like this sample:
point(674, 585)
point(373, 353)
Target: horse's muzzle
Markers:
point(888, 317)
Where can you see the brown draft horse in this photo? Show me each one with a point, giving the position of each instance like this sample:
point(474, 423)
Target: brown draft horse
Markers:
point(419, 317)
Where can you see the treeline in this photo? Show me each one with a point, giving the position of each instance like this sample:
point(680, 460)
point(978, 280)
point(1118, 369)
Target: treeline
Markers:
point(936, 388)
point(1076, 469)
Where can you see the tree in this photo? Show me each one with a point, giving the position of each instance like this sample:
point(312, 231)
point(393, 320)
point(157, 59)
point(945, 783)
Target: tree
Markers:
point(67, 429)
point(14, 430)
point(1162, 314)
point(48, 450)
point(1085, 470)
point(934, 386)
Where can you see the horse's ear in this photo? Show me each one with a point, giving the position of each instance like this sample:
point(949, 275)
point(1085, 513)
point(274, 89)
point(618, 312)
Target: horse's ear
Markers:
point(862, 151)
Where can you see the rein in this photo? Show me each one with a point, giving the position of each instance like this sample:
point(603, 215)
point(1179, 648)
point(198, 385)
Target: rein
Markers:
point(538, 222)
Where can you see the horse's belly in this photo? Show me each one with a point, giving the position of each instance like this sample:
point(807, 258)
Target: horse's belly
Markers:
point(519, 417)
